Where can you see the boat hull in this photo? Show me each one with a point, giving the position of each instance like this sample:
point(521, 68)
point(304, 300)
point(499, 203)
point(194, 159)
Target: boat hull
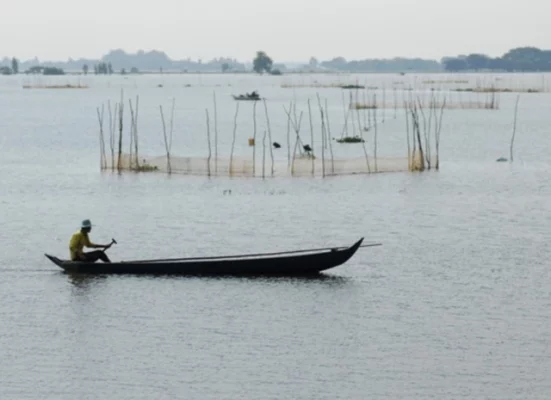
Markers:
point(294, 264)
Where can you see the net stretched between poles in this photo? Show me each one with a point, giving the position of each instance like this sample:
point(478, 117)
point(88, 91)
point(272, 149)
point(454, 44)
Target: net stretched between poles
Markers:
point(243, 167)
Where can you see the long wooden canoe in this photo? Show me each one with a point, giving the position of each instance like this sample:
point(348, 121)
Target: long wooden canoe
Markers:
point(298, 262)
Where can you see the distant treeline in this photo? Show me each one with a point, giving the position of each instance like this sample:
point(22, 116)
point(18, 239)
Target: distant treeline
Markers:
point(37, 69)
point(118, 61)
point(519, 59)
point(382, 65)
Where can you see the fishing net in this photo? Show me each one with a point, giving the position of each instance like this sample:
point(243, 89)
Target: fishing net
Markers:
point(301, 166)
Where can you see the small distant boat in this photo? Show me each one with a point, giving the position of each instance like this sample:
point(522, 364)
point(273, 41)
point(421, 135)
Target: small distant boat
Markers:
point(247, 96)
point(289, 263)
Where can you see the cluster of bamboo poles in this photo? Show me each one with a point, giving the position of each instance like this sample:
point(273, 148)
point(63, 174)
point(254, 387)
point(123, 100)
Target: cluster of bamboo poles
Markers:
point(295, 123)
point(168, 138)
point(402, 98)
point(234, 135)
point(297, 148)
point(294, 141)
point(489, 102)
point(420, 149)
point(116, 114)
point(355, 125)
point(367, 121)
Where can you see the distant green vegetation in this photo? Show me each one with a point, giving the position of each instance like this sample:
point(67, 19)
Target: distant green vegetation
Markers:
point(351, 139)
point(14, 69)
point(15, 65)
point(38, 69)
point(381, 65)
point(263, 63)
point(103, 69)
point(53, 71)
point(528, 59)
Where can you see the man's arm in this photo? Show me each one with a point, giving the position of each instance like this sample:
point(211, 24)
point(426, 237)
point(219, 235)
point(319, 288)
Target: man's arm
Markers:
point(91, 245)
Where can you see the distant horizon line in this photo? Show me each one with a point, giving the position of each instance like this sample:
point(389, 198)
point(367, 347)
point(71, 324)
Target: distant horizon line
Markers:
point(515, 58)
point(248, 61)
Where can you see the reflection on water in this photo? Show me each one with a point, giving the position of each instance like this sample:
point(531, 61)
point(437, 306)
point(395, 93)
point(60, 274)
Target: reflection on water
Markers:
point(324, 278)
point(84, 281)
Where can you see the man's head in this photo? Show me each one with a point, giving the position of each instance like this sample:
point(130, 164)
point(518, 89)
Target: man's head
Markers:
point(86, 226)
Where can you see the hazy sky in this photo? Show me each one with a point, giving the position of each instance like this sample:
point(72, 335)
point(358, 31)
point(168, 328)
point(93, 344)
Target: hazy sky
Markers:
point(288, 30)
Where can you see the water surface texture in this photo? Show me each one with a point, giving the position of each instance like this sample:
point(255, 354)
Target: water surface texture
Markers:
point(455, 304)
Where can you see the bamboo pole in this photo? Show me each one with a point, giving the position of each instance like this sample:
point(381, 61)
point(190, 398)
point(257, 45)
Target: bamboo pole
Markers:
point(234, 134)
point(419, 144)
point(121, 109)
point(409, 110)
point(131, 133)
point(254, 137)
point(375, 134)
point(323, 138)
point(296, 125)
point(136, 133)
point(297, 128)
point(369, 112)
point(437, 135)
point(288, 135)
point(424, 129)
point(345, 113)
point(114, 133)
point(208, 142)
point(432, 121)
point(264, 155)
point(365, 153)
point(413, 111)
point(329, 138)
point(112, 127)
point(297, 140)
point(103, 161)
point(359, 123)
point(269, 136)
point(410, 165)
point(428, 149)
point(171, 126)
point(215, 135)
point(167, 144)
point(323, 143)
point(351, 108)
point(104, 156)
point(311, 136)
point(357, 93)
point(514, 129)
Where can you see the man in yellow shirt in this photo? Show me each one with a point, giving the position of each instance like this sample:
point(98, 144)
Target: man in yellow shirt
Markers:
point(81, 239)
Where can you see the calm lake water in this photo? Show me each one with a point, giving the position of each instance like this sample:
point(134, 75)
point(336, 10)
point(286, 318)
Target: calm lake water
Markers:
point(456, 303)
